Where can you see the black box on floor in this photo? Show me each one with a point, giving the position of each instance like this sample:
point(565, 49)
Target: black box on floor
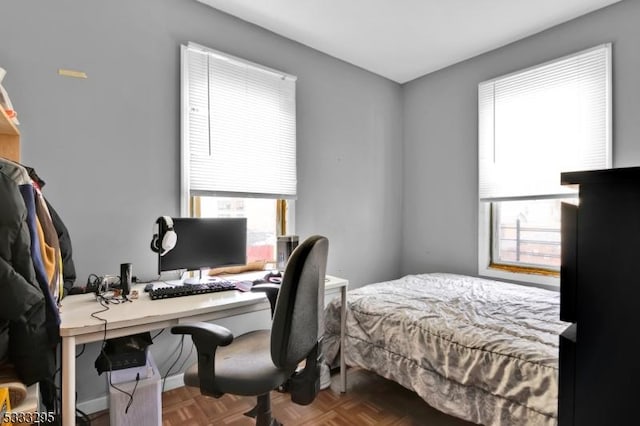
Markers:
point(123, 352)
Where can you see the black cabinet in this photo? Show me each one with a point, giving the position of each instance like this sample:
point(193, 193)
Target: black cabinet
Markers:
point(567, 380)
point(600, 290)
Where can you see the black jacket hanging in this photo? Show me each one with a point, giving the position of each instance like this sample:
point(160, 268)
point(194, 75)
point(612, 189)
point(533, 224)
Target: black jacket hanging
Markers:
point(23, 332)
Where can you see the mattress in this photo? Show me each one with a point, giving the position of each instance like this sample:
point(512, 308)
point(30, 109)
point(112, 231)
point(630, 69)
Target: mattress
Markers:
point(482, 350)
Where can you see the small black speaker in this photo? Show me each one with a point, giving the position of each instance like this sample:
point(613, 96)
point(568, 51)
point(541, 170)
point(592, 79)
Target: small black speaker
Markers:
point(125, 278)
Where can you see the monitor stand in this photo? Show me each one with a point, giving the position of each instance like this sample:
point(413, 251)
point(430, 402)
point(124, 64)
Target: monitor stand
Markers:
point(196, 280)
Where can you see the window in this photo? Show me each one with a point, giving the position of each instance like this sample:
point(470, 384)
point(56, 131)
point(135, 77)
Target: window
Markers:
point(526, 234)
point(533, 125)
point(266, 219)
point(238, 144)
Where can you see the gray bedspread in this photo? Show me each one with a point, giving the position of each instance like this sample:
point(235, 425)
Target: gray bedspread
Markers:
point(482, 350)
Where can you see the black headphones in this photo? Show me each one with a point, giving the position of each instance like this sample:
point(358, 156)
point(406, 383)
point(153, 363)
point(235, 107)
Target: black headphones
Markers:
point(169, 236)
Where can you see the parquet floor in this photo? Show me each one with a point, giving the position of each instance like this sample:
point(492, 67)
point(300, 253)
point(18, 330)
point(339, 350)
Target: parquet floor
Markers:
point(369, 400)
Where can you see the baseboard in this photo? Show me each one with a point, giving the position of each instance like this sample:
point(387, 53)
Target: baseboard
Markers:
point(102, 403)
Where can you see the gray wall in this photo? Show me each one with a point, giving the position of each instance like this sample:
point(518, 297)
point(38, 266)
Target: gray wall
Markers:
point(108, 146)
point(440, 218)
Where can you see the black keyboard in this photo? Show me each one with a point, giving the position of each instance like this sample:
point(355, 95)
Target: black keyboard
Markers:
point(190, 289)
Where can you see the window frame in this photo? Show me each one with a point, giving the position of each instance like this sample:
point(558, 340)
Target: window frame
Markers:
point(186, 192)
point(189, 199)
point(538, 276)
point(515, 266)
point(533, 275)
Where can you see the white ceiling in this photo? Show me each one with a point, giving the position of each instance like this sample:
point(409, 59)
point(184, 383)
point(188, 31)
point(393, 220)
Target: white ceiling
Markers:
point(405, 39)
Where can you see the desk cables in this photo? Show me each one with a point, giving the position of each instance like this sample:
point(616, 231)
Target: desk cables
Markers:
point(107, 288)
point(104, 301)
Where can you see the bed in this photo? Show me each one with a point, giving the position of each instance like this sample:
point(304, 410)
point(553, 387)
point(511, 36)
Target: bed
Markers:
point(482, 350)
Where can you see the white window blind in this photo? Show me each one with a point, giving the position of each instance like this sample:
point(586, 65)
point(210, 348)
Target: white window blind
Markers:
point(537, 123)
point(239, 127)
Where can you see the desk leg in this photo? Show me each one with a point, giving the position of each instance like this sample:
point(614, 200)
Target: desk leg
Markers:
point(343, 320)
point(68, 381)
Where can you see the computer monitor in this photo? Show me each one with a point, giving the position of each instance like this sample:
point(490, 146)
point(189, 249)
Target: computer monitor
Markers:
point(206, 243)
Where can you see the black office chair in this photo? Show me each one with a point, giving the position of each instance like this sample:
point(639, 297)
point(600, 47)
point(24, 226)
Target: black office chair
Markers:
point(257, 362)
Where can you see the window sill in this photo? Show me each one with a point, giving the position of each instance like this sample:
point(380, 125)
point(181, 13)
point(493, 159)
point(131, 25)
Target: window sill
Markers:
point(544, 281)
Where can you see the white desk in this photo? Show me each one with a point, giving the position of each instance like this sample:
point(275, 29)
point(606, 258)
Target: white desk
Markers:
point(78, 327)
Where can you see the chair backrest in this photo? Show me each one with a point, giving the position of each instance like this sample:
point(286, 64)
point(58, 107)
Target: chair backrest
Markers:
point(296, 319)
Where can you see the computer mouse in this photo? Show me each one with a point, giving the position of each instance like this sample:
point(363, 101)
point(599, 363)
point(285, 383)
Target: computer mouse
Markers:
point(148, 287)
point(274, 277)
